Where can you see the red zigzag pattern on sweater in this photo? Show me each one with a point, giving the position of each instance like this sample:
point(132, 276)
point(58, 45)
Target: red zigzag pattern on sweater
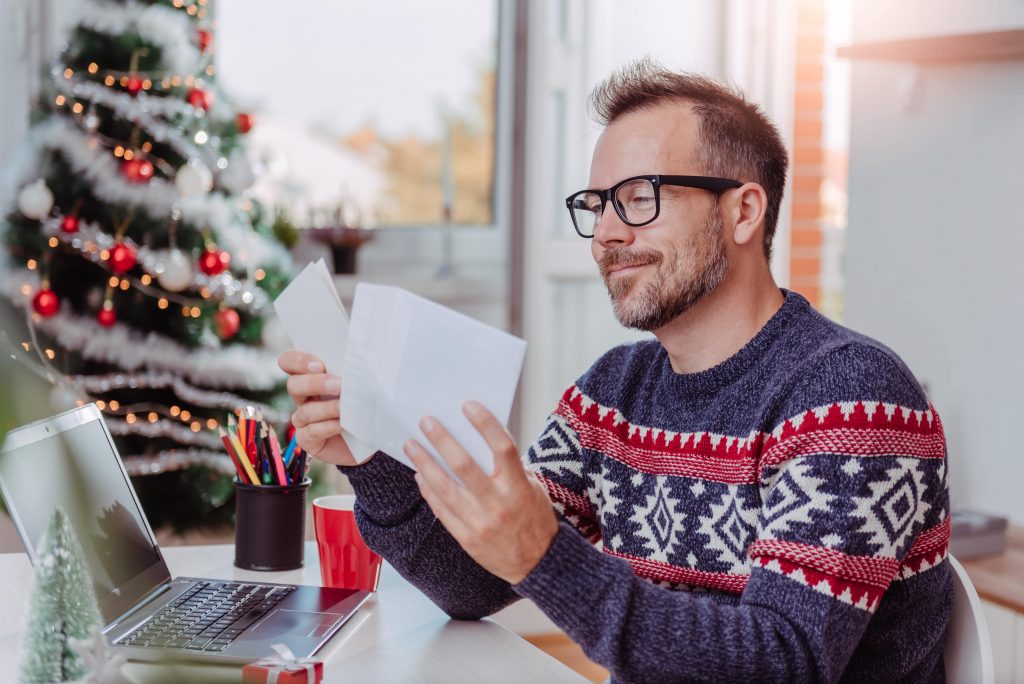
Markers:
point(850, 428)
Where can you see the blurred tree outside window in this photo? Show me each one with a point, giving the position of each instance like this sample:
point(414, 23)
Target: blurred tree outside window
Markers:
point(383, 113)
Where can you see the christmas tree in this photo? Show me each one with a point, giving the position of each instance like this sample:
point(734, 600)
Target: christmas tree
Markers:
point(144, 271)
point(63, 607)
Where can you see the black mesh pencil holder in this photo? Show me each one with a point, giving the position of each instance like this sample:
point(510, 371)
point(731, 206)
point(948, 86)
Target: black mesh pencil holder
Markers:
point(270, 525)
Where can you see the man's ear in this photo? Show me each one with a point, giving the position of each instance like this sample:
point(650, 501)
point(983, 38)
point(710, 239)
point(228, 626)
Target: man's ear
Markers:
point(748, 205)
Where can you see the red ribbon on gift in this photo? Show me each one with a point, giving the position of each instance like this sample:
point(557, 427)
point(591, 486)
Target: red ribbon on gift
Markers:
point(284, 662)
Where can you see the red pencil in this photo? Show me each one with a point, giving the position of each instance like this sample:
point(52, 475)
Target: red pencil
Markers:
point(275, 456)
point(234, 458)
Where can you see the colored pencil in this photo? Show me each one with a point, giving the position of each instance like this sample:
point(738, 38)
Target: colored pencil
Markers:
point(275, 456)
point(289, 452)
point(233, 438)
point(242, 477)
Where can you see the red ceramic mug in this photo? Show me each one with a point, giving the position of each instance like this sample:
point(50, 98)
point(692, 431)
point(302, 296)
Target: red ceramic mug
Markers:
point(346, 562)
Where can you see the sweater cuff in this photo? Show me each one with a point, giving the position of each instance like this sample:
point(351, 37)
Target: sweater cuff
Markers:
point(385, 489)
point(555, 584)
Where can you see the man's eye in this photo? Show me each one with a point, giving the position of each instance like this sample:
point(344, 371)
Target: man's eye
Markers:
point(641, 201)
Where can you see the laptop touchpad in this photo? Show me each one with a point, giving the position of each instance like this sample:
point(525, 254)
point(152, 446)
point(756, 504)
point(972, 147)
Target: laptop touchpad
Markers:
point(297, 622)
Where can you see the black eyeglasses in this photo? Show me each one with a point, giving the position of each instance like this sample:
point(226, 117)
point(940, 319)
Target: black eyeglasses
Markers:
point(637, 200)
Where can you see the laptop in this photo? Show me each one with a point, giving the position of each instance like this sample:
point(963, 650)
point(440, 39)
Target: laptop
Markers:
point(70, 461)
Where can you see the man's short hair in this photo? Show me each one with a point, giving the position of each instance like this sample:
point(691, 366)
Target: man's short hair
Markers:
point(735, 138)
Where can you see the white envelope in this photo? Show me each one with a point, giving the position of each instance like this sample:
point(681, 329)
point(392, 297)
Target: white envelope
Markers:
point(407, 357)
point(315, 320)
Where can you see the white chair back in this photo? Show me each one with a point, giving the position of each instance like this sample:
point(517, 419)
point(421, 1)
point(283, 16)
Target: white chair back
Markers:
point(968, 651)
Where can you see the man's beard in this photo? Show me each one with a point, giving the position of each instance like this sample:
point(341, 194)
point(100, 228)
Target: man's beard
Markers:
point(697, 269)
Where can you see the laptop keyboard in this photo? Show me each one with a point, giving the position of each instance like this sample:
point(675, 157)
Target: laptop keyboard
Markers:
point(207, 617)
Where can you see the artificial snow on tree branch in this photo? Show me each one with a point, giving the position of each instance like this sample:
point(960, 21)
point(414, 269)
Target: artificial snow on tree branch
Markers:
point(236, 366)
point(166, 28)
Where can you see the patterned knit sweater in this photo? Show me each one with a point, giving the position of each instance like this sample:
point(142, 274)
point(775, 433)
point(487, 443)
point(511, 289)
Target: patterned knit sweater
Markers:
point(782, 516)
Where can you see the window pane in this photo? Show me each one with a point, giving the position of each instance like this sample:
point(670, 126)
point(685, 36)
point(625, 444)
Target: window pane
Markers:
point(386, 110)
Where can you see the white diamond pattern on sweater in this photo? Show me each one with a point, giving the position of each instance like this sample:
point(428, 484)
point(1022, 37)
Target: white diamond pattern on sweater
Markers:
point(661, 521)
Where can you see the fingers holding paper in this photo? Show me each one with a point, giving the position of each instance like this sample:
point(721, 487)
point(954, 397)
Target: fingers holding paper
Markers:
point(316, 417)
point(505, 520)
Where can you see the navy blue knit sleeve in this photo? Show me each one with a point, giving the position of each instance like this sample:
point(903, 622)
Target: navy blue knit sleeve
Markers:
point(396, 522)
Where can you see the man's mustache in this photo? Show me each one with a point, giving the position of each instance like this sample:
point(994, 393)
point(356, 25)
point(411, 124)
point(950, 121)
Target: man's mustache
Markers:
point(624, 258)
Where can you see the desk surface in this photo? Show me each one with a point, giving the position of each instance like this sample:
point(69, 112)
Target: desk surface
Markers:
point(398, 635)
point(1000, 579)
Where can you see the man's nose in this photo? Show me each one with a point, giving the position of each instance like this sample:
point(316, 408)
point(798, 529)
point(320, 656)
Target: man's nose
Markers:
point(611, 230)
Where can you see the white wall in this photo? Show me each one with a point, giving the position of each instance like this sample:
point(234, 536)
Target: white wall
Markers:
point(935, 242)
point(573, 45)
point(878, 20)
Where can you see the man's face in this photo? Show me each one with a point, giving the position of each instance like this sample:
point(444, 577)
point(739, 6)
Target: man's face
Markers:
point(656, 272)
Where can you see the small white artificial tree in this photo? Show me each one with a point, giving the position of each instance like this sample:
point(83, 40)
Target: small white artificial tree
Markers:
point(63, 607)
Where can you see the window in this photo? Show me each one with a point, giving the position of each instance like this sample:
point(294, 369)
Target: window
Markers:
point(381, 113)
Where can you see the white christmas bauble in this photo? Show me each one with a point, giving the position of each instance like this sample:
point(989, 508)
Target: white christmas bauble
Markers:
point(193, 179)
point(239, 176)
point(35, 200)
point(177, 273)
point(274, 336)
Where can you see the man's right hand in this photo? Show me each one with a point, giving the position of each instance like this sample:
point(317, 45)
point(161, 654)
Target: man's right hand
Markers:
point(317, 400)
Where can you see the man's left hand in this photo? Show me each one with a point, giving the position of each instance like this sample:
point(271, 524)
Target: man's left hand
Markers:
point(504, 521)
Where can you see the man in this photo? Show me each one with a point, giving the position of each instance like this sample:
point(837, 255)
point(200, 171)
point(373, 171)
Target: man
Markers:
point(768, 486)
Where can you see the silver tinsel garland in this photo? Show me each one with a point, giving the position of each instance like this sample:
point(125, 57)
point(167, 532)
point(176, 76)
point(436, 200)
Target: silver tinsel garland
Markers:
point(101, 384)
point(157, 198)
point(239, 294)
point(235, 367)
point(164, 27)
point(177, 459)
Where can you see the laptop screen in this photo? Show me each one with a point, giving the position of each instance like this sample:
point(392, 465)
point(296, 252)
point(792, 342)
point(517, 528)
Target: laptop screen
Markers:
point(71, 462)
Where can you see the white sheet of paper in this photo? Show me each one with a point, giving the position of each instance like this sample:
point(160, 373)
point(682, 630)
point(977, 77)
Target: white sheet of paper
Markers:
point(316, 322)
point(407, 357)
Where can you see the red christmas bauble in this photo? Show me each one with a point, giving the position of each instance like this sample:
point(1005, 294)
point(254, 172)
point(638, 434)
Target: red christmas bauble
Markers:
point(46, 302)
point(213, 261)
point(244, 122)
point(69, 224)
point(122, 258)
point(106, 316)
point(200, 99)
point(204, 38)
point(228, 322)
point(134, 85)
point(137, 170)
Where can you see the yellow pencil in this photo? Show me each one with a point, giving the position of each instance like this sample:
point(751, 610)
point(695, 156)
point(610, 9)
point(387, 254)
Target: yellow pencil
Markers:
point(233, 438)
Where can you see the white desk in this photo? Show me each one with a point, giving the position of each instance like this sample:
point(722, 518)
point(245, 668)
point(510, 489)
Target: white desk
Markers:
point(397, 636)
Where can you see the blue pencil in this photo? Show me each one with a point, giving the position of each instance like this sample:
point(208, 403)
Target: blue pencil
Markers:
point(288, 452)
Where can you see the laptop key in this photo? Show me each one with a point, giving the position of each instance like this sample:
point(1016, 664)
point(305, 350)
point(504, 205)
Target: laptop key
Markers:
point(216, 647)
point(248, 619)
point(198, 644)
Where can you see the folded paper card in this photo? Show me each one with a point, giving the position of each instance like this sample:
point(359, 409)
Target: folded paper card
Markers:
point(407, 357)
point(315, 319)
point(402, 357)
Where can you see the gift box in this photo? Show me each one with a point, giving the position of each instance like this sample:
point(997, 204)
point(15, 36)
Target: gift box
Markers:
point(284, 668)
